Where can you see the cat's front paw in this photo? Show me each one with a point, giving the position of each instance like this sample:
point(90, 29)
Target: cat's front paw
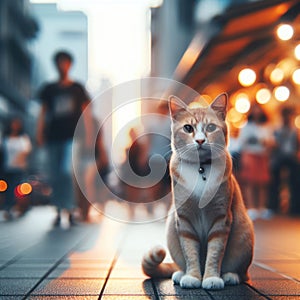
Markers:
point(231, 278)
point(213, 283)
point(190, 282)
point(176, 277)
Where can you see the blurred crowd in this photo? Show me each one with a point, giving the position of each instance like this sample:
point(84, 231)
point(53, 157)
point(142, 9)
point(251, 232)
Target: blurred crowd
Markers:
point(266, 163)
point(265, 159)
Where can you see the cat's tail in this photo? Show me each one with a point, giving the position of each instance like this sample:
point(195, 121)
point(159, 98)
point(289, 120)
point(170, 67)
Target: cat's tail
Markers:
point(152, 264)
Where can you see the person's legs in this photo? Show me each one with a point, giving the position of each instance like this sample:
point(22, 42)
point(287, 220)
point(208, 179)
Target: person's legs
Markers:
point(249, 198)
point(67, 184)
point(13, 179)
point(294, 187)
point(55, 154)
point(89, 183)
point(264, 212)
point(274, 188)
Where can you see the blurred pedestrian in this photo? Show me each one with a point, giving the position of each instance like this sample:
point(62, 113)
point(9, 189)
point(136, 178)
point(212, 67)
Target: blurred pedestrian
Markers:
point(235, 149)
point(16, 148)
point(284, 162)
point(134, 170)
point(63, 102)
point(159, 152)
point(255, 142)
point(100, 167)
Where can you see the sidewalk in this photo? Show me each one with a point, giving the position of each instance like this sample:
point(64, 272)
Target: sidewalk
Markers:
point(89, 261)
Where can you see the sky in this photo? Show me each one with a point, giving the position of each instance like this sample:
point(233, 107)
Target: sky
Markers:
point(119, 37)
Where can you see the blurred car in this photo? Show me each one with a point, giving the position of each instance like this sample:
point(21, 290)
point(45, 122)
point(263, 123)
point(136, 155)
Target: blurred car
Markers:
point(33, 190)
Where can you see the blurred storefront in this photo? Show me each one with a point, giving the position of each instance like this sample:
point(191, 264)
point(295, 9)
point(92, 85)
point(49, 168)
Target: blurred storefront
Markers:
point(250, 49)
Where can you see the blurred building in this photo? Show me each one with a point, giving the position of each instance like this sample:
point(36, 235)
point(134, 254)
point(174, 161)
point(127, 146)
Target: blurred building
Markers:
point(59, 30)
point(172, 29)
point(17, 28)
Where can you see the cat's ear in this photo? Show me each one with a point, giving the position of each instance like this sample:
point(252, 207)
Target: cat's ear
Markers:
point(219, 105)
point(176, 105)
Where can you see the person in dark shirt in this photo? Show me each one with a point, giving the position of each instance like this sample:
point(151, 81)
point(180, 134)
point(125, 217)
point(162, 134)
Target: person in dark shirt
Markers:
point(284, 164)
point(62, 105)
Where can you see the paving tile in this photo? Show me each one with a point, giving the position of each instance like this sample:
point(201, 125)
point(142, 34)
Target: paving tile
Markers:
point(186, 297)
point(78, 287)
point(3, 263)
point(128, 287)
point(285, 297)
point(128, 297)
point(257, 272)
point(85, 264)
point(291, 269)
point(16, 287)
point(25, 266)
point(61, 297)
point(128, 272)
point(34, 261)
point(283, 287)
point(165, 287)
point(241, 291)
point(17, 272)
point(238, 297)
point(12, 297)
point(78, 273)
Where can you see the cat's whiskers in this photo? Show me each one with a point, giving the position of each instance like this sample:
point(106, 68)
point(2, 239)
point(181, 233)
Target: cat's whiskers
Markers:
point(185, 149)
point(217, 148)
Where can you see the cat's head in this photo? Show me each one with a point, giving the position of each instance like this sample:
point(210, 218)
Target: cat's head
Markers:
point(199, 133)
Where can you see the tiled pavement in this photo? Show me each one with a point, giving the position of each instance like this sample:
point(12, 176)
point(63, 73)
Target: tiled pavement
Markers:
point(102, 260)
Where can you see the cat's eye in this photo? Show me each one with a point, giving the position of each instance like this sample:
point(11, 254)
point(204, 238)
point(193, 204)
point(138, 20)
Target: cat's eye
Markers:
point(188, 128)
point(211, 127)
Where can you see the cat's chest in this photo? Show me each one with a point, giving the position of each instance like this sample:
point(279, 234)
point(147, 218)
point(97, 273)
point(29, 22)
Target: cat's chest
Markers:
point(193, 178)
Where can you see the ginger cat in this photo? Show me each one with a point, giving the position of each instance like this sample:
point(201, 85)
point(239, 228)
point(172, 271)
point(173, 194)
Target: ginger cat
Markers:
point(210, 236)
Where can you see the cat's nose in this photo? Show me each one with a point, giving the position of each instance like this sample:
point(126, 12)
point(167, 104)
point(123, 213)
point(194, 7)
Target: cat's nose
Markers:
point(200, 141)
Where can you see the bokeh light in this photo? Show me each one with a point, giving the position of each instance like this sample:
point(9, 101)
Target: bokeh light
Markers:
point(297, 121)
point(23, 189)
point(3, 185)
point(296, 76)
point(285, 32)
point(277, 75)
point(234, 116)
point(247, 77)
point(297, 52)
point(242, 104)
point(281, 93)
point(263, 96)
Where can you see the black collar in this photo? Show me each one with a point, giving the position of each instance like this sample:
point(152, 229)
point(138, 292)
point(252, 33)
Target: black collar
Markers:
point(201, 169)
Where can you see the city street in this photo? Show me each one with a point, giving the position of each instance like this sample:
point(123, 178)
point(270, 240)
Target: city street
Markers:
point(102, 259)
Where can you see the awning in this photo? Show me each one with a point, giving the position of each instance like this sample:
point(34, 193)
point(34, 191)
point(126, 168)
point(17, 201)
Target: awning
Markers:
point(244, 36)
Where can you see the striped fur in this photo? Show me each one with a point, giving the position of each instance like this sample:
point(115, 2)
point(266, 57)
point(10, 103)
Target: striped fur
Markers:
point(210, 240)
point(152, 264)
